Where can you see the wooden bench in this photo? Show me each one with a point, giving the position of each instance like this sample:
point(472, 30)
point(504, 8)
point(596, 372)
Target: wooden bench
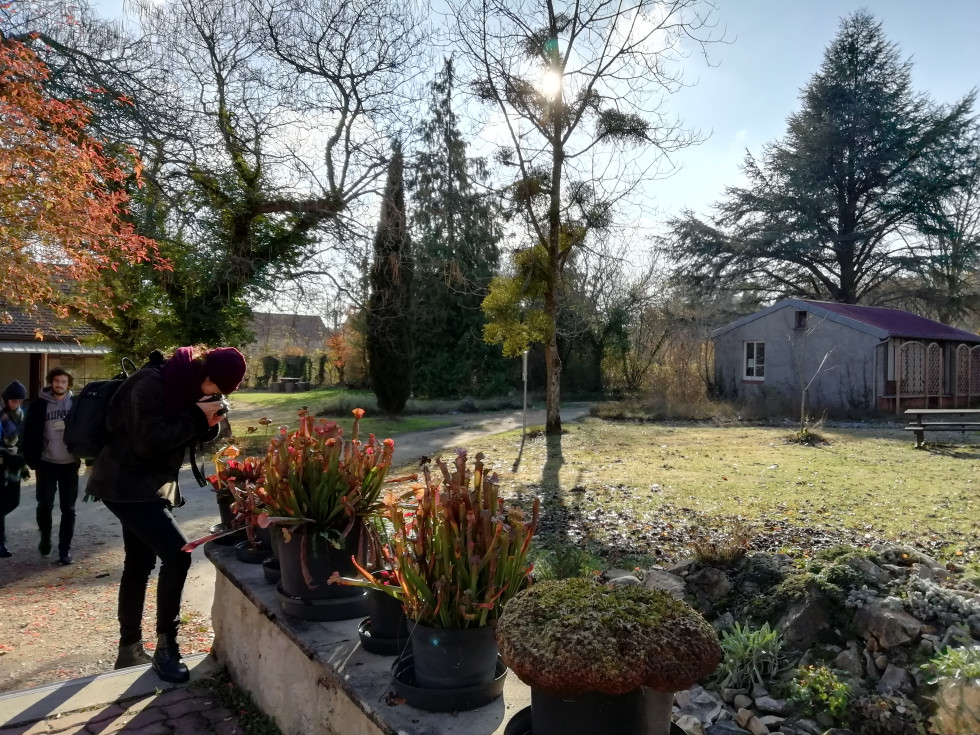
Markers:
point(940, 419)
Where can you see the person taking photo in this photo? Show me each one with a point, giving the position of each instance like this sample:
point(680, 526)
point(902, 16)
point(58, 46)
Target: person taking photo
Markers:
point(161, 410)
point(13, 467)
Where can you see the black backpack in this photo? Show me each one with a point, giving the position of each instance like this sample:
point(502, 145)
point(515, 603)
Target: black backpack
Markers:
point(85, 425)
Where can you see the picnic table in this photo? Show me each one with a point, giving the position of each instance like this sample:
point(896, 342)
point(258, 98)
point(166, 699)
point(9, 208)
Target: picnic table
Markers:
point(941, 419)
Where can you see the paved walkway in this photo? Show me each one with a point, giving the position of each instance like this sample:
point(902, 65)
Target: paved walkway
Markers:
point(127, 701)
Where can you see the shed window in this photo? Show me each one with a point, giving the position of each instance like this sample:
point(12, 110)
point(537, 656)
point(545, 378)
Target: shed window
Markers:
point(755, 360)
point(801, 320)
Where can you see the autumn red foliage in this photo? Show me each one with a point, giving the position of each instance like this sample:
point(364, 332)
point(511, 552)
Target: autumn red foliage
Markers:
point(62, 197)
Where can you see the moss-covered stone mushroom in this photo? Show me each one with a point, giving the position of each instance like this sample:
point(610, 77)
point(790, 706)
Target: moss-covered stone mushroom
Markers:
point(575, 637)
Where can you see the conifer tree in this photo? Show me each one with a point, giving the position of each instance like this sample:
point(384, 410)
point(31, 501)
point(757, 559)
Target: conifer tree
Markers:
point(455, 253)
point(389, 329)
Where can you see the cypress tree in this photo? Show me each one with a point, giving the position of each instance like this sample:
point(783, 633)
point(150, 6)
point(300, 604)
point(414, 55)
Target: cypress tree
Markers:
point(389, 333)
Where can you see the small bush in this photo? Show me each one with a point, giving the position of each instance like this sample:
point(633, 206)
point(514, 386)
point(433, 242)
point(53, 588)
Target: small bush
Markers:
point(722, 549)
point(751, 656)
point(955, 663)
point(879, 714)
point(818, 689)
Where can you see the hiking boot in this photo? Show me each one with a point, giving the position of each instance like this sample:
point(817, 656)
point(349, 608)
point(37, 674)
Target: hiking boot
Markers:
point(131, 654)
point(44, 546)
point(167, 663)
point(65, 558)
point(4, 554)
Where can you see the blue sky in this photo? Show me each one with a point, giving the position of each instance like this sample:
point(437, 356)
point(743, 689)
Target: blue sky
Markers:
point(776, 46)
point(773, 48)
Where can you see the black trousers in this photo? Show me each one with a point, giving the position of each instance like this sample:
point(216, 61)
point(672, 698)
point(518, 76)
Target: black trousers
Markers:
point(61, 480)
point(150, 532)
point(9, 500)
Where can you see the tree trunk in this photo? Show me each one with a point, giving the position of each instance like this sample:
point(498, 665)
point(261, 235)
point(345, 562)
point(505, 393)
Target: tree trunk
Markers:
point(552, 370)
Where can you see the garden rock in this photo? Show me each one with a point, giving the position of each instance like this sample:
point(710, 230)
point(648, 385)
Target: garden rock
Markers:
point(658, 579)
point(933, 574)
point(708, 585)
point(849, 660)
point(769, 704)
point(772, 721)
point(869, 667)
point(683, 567)
point(894, 681)
point(742, 701)
point(726, 727)
point(729, 694)
point(868, 568)
point(890, 627)
point(703, 705)
point(805, 622)
point(689, 724)
point(724, 622)
point(626, 579)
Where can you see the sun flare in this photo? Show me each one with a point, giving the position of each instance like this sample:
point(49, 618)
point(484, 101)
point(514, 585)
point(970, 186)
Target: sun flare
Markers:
point(550, 83)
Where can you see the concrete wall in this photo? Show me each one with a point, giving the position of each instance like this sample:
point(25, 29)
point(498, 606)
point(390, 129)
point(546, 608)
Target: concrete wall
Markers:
point(847, 380)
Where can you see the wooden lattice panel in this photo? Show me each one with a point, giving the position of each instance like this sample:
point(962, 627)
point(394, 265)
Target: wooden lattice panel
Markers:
point(934, 370)
point(912, 369)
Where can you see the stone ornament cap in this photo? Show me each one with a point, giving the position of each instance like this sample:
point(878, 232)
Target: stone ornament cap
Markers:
point(572, 636)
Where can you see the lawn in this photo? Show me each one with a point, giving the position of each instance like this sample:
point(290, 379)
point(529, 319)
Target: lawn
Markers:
point(631, 486)
point(248, 407)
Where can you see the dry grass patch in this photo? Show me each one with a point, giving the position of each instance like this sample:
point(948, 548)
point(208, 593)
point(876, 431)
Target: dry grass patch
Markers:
point(638, 478)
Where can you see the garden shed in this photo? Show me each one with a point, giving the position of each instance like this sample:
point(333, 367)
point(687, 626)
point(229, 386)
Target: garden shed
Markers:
point(872, 358)
point(33, 343)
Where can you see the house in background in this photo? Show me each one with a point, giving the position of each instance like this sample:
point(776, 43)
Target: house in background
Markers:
point(287, 334)
point(31, 344)
point(877, 359)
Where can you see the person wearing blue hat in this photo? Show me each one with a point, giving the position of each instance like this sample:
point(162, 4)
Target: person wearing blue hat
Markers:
point(13, 468)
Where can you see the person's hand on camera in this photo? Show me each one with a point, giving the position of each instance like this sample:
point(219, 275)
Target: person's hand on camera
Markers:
point(213, 410)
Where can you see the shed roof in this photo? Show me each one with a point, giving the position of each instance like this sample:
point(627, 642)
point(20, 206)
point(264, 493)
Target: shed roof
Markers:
point(876, 320)
point(24, 326)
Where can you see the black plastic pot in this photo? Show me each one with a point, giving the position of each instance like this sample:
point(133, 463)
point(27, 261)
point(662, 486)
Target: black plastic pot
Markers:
point(591, 713)
point(270, 568)
point(448, 658)
point(452, 699)
point(387, 616)
point(316, 599)
point(521, 724)
point(246, 552)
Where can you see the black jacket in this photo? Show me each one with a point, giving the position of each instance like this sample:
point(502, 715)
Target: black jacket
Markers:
point(146, 447)
point(32, 440)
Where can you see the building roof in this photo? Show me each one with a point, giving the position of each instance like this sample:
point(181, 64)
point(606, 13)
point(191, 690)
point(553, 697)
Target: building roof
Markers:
point(25, 326)
point(876, 320)
point(51, 348)
point(294, 327)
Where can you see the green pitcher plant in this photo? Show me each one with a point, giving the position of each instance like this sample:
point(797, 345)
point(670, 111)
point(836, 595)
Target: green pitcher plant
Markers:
point(317, 478)
point(312, 477)
point(457, 553)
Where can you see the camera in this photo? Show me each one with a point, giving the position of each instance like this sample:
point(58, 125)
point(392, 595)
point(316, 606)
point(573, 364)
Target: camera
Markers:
point(217, 398)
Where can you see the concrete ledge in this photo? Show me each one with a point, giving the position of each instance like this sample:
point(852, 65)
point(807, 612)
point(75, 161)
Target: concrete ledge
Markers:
point(314, 678)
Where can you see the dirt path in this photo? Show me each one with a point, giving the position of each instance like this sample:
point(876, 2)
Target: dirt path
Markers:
point(59, 623)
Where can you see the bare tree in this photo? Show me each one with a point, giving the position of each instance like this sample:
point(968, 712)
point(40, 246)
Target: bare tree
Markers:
point(579, 91)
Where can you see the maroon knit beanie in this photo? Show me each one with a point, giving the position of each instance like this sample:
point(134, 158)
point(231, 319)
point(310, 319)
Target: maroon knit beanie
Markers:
point(226, 368)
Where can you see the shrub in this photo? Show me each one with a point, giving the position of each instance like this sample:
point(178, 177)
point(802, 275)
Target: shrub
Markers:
point(818, 689)
point(955, 663)
point(722, 549)
point(751, 656)
point(879, 714)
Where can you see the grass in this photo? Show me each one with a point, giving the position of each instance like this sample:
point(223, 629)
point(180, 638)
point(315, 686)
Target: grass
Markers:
point(866, 480)
point(281, 408)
